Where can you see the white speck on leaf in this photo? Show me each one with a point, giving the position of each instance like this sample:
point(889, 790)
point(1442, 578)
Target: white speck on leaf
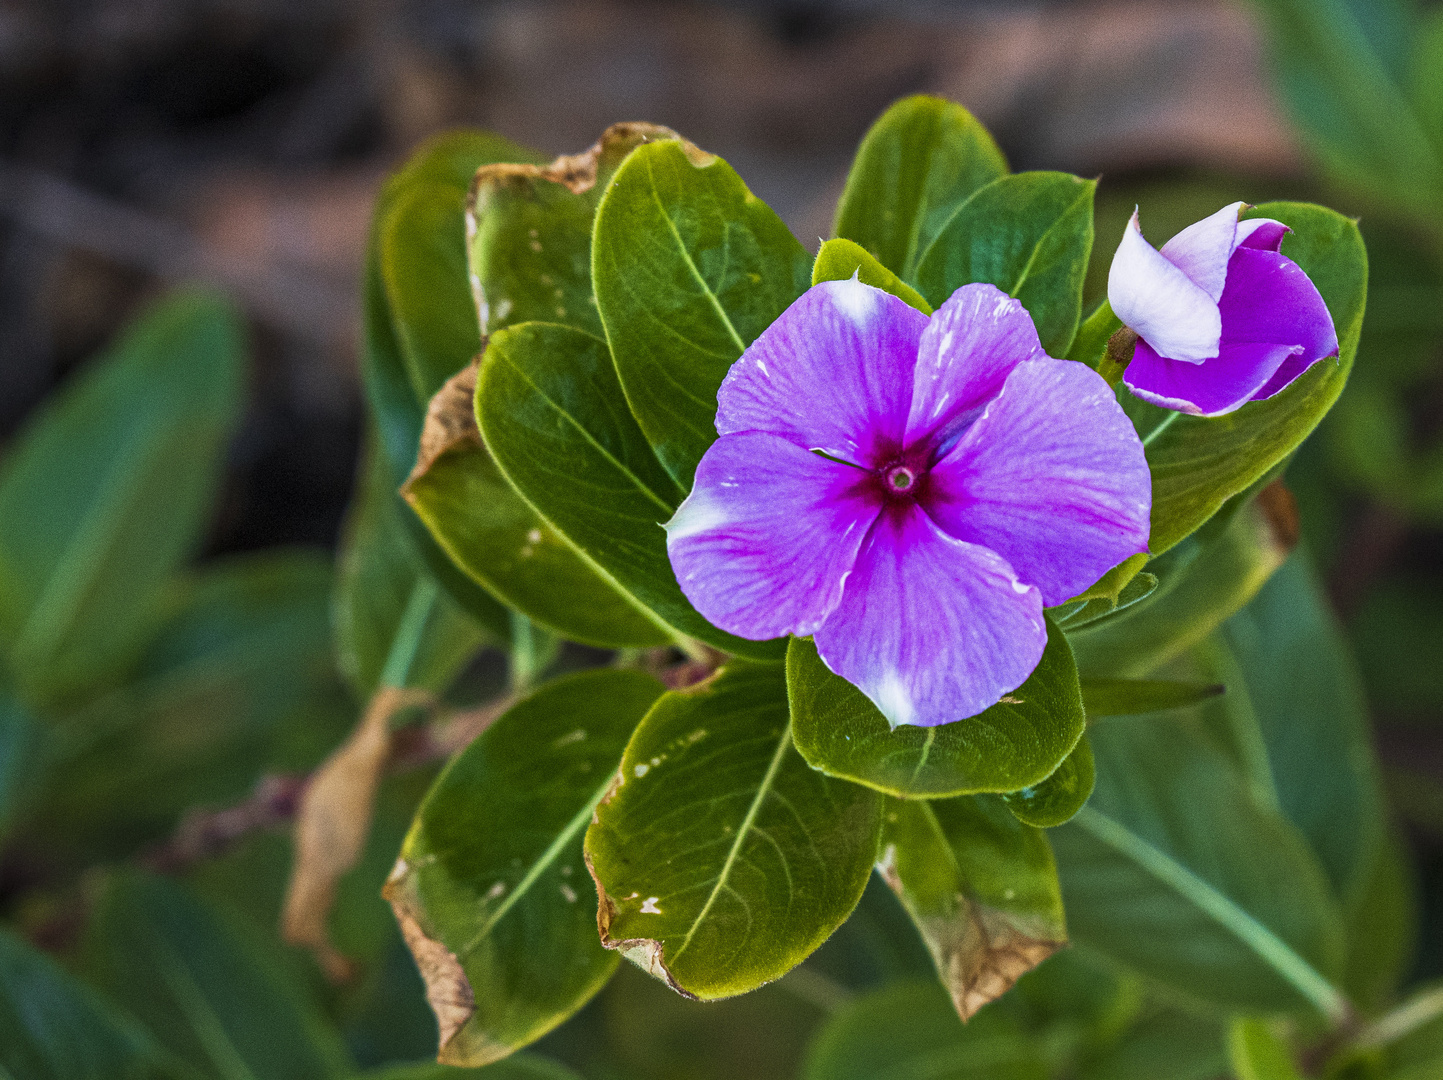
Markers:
point(648, 906)
point(568, 892)
point(642, 769)
point(496, 891)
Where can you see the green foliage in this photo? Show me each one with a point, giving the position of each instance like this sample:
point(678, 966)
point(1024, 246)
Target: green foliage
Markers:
point(910, 1030)
point(493, 870)
point(1173, 848)
point(54, 1028)
point(1028, 234)
point(981, 887)
point(838, 260)
point(106, 493)
point(1013, 744)
point(395, 626)
point(552, 413)
point(1130, 697)
point(209, 995)
point(920, 161)
point(721, 858)
point(1060, 796)
point(689, 267)
point(1257, 1052)
point(522, 1067)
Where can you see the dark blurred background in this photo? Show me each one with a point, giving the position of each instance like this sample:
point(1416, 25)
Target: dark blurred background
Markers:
point(241, 142)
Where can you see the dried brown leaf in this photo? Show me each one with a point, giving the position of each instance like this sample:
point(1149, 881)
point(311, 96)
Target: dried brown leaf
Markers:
point(333, 823)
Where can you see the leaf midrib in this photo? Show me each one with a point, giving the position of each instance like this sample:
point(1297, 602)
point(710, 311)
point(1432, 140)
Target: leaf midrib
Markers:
point(763, 789)
point(1221, 908)
point(546, 859)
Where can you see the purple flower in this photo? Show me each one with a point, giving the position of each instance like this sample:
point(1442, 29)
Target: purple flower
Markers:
point(1221, 316)
point(911, 491)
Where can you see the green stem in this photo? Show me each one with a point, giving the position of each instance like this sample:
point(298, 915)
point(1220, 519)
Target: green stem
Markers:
point(412, 627)
point(1155, 432)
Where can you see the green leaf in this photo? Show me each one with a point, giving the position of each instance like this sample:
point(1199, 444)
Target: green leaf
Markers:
point(1257, 1052)
point(553, 415)
point(1201, 582)
point(1017, 742)
point(1132, 697)
point(1118, 590)
point(1383, 926)
point(53, 1027)
point(1058, 798)
point(689, 267)
point(520, 1067)
point(491, 888)
point(1342, 67)
point(490, 532)
point(909, 1030)
point(238, 680)
point(1090, 345)
point(721, 859)
point(1427, 74)
point(1300, 723)
point(1199, 463)
point(838, 260)
point(919, 162)
point(1028, 234)
point(529, 229)
point(205, 991)
point(1176, 871)
point(21, 758)
point(106, 492)
point(1167, 1045)
point(395, 626)
point(403, 365)
point(981, 887)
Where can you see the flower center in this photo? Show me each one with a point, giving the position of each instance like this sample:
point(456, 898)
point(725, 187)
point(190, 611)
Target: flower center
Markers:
point(901, 478)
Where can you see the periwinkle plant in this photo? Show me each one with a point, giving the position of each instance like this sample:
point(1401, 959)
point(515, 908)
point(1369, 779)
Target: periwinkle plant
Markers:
point(692, 436)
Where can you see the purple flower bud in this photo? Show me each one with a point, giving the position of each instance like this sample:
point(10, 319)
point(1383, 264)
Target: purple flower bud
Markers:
point(1222, 317)
point(912, 492)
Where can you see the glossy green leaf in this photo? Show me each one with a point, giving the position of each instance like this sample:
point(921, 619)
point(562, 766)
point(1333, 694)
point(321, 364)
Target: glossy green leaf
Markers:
point(1175, 870)
point(919, 162)
point(395, 625)
point(529, 233)
point(520, 1067)
point(722, 860)
point(1343, 69)
point(688, 267)
point(205, 991)
point(1201, 582)
point(1132, 697)
point(1015, 743)
point(239, 679)
point(1090, 344)
point(1257, 1052)
point(1086, 610)
point(1199, 463)
point(1058, 798)
point(981, 887)
point(53, 1027)
point(909, 1030)
point(553, 415)
point(404, 365)
point(492, 534)
point(839, 260)
point(1030, 235)
point(1300, 724)
point(491, 886)
point(105, 493)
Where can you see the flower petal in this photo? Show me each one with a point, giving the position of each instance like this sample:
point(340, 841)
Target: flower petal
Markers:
point(1160, 302)
point(1217, 386)
point(931, 628)
point(763, 544)
point(832, 373)
point(1263, 233)
point(1052, 477)
point(970, 346)
point(1269, 299)
point(1201, 251)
